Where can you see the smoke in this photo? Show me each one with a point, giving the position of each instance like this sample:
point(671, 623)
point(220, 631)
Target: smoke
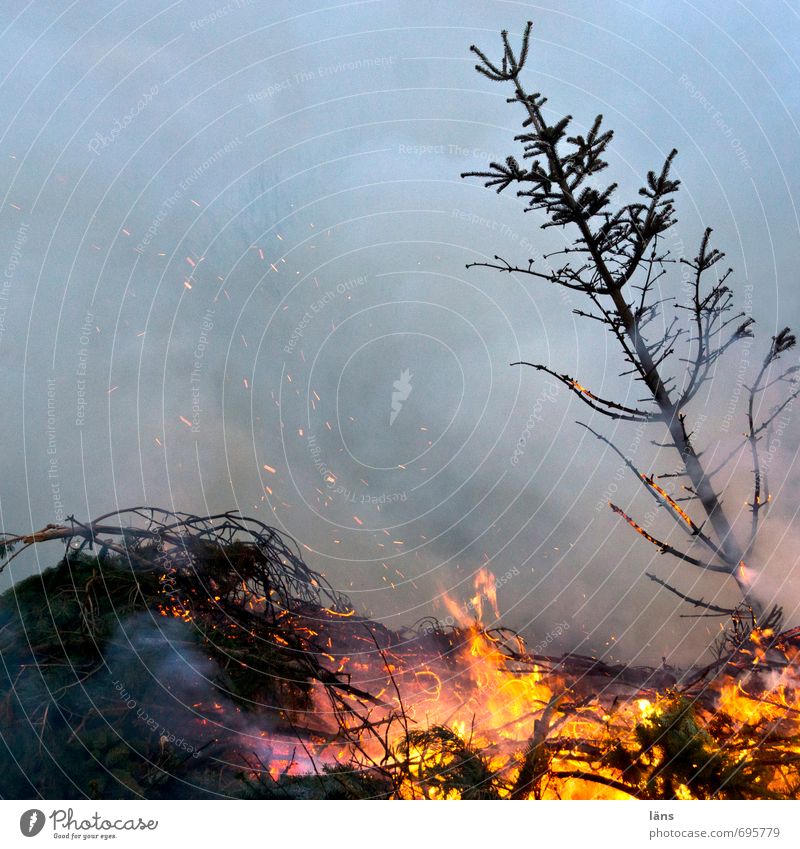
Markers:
point(227, 234)
point(173, 691)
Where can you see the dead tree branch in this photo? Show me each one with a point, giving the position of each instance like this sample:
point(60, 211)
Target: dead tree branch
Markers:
point(617, 261)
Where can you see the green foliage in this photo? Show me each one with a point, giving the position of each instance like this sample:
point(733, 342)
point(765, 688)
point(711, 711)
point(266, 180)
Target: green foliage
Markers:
point(677, 752)
point(336, 782)
point(439, 759)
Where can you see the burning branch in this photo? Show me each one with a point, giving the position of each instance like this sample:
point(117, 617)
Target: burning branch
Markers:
point(666, 548)
point(601, 405)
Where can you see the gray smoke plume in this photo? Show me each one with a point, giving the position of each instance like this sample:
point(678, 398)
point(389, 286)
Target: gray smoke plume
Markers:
point(228, 228)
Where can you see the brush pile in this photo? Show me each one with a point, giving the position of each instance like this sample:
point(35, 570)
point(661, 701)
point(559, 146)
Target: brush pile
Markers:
point(174, 656)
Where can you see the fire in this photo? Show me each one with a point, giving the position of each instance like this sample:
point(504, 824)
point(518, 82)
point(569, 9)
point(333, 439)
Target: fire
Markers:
point(309, 696)
point(464, 711)
point(522, 730)
point(745, 573)
point(667, 499)
point(485, 588)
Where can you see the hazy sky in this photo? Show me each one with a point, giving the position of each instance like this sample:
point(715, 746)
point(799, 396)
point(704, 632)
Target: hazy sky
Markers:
point(232, 232)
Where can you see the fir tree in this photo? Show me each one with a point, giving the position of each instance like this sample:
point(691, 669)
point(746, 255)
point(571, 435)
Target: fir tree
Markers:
point(671, 345)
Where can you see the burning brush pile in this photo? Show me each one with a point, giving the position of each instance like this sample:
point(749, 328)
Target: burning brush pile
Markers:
point(174, 656)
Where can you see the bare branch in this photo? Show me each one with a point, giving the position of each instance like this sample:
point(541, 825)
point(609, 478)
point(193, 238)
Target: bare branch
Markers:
point(556, 278)
point(696, 602)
